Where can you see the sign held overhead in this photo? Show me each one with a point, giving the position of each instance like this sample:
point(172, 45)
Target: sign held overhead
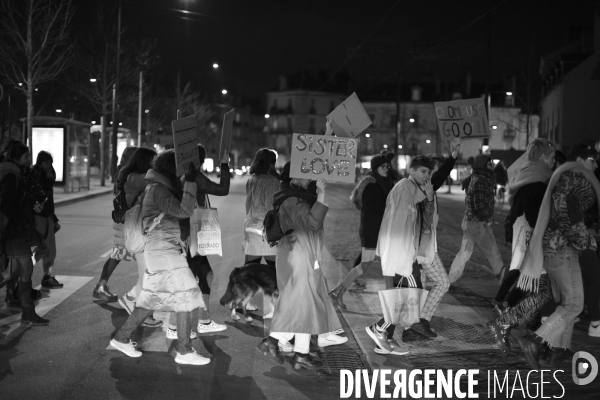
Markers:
point(185, 141)
point(318, 156)
point(226, 134)
point(349, 119)
point(464, 119)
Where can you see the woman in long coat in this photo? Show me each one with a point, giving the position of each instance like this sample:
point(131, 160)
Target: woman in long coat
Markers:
point(169, 284)
point(303, 308)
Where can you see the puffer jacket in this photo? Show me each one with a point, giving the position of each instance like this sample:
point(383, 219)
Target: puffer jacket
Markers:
point(134, 186)
point(169, 284)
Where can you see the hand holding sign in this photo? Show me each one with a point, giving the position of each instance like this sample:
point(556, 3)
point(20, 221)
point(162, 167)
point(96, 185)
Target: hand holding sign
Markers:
point(455, 147)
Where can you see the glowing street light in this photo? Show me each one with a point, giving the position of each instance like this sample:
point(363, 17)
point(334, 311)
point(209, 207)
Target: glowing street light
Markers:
point(412, 120)
point(147, 111)
point(509, 93)
point(368, 135)
point(94, 122)
point(93, 80)
point(428, 141)
point(399, 146)
point(494, 126)
point(215, 65)
point(385, 146)
point(224, 91)
point(120, 124)
point(58, 110)
point(267, 116)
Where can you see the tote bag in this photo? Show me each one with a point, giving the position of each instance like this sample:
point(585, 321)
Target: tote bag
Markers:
point(521, 236)
point(402, 306)
point(205, 228)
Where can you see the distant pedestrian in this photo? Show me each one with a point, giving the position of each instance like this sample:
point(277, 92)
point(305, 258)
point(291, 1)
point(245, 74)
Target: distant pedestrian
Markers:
point(303, 308)
point(169, 284)
point(119, 252)
point(46, 222)
point(259, 200)
point(479, 216)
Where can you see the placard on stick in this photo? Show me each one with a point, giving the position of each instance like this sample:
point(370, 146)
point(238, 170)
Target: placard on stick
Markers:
point(318, 156)
point(226, 134)
point(465, 119)
point(185, 140)
point(349, 119)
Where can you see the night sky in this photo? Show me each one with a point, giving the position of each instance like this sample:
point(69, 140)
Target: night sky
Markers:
point(255, 41)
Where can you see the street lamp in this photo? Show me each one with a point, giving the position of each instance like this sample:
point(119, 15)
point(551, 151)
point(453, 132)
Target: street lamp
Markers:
point(509, 93)
point(385, 146)
point(267, 116)
point(399, 146)
point(93, 80)
point(412, 120)
point(58, 110)
point(368, 135)
point(428, 141)
point(215, 65)
point(224, 91)
point(94, 122)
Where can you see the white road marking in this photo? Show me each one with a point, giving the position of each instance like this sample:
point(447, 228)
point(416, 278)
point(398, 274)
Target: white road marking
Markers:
point(11, 322)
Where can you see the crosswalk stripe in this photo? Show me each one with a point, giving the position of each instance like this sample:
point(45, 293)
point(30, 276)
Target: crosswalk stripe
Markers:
point(51, 299)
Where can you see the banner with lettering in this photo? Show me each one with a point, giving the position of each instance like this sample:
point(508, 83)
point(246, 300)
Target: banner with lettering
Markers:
point(185, 141)
point(464, 119)
point(318, 156)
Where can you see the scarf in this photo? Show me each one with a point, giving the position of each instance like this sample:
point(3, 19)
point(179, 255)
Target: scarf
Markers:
point(534, 258)
point(286, 190)
point(530, 172)
point(385, 183)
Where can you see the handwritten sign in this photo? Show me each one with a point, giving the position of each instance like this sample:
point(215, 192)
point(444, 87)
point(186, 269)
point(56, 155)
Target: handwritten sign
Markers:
point(349, 119)
point(185, 140)
point(226, 134)
point(465, 119)
point(318, 156)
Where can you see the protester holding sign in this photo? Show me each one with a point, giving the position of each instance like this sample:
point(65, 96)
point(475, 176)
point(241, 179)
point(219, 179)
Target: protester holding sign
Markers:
point(303, 308)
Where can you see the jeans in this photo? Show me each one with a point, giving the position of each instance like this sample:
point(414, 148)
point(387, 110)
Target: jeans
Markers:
point(139, 315)
point(301, 341)
point(479, 233)
point(567, 288)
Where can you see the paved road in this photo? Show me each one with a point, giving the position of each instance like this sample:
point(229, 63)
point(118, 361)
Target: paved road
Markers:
point(69, 359)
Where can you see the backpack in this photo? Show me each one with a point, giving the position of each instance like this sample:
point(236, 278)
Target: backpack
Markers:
point(134, 233)
point(119, 205)
point(272, 227)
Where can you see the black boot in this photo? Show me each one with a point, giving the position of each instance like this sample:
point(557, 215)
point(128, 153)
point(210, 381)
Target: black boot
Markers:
point(3, 282)
point(269, 347)
point(12, 295)
point(336, 295)
point(29, 316)
point(531, 344)
point(305, 361)
point(501, 333)
point(559, 355)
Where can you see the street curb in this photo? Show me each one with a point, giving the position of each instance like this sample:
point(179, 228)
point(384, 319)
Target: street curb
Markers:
point(65, 202)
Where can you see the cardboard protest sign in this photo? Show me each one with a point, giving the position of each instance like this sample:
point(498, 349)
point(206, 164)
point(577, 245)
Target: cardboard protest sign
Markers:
point(318, 156)
point(185, 140)
point(465, 119)
point(349, 119)
point(226, 134)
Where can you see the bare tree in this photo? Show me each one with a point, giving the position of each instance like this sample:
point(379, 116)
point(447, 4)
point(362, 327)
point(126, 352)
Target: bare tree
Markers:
point(34, 44)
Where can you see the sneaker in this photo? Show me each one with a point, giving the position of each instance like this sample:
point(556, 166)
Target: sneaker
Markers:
point(285, 347)
point(150, 322)
point(50, 282)
point(127, 304)
point(338, 331)
point(126, 348)
point(331, 340)
point(410, 335)
point(172, 334)
point(594, 331)
point(35, 294)
point(359, 285)
point(423, 328)
point(212, 327)
point(102, 293)
point(268, 316)
point(378, 337)
point(397, 350)
point(192, 358)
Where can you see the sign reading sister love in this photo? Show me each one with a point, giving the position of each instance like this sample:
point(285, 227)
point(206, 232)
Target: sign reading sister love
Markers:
point(316, 156)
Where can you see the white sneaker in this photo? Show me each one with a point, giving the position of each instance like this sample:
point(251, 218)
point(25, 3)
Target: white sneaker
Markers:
point(331, 340)
point(594, 331)
point(212, 327)
point(285, 347)
point(128, 305)
point(191, 359)
point(172, 334)
point(268, 316)
point(126, 348)
point(251, 307)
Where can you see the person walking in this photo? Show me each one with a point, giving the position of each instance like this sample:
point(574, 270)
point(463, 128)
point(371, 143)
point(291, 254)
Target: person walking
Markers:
point(369, 196)
point(260, 189)
point(18, 203)
point(303, 308)
point(132, 178)
point(169, 284)
point(119, 252)
point(559, 236)
point(479, 215)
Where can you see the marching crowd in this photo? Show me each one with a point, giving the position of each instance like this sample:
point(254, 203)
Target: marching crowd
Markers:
point(552, 225)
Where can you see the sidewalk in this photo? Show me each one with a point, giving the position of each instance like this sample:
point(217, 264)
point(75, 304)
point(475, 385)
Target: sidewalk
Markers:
point(61, 198)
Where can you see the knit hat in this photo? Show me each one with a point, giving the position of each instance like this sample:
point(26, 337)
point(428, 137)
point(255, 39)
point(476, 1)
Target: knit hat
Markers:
point(480, 161)
point(377, 161)
point(43, 156)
